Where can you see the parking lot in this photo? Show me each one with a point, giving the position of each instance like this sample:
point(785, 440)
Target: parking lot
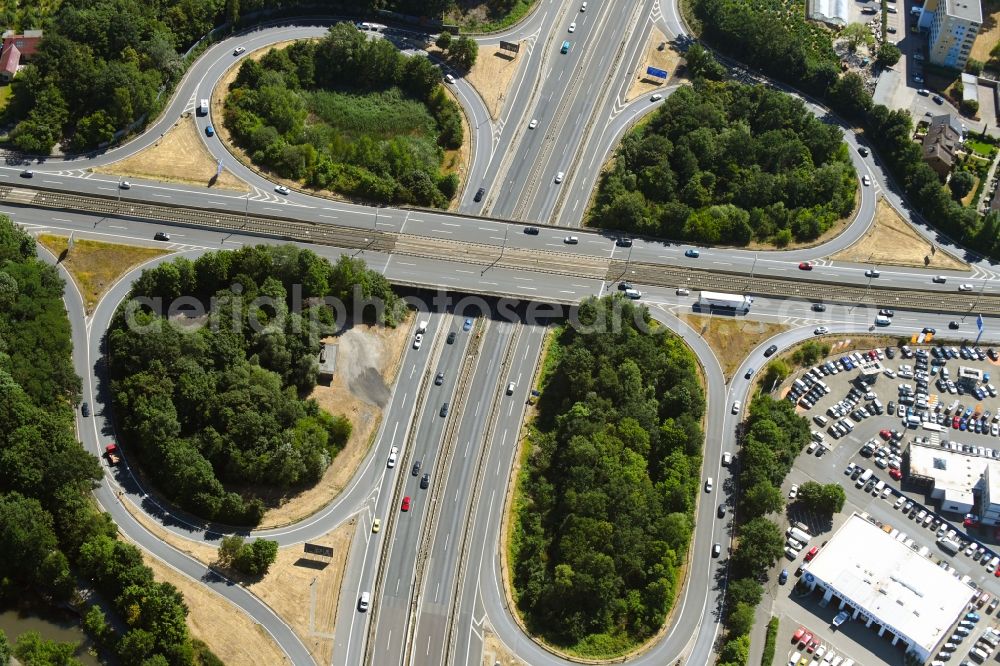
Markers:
point(924, 403)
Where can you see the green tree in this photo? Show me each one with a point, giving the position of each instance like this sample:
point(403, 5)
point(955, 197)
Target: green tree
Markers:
point(969, 107)
point(776, 372)
point(5, 650)
point(735, 651)
point(96, 625)
point(230, 549)
point(702, 64)
point(463, 52)
point(256, 558)
point(961, 183)
point(857, 34)
point(31, 648)
point(888, 55)
point(974, 66)
point(740, 619)
point(443, 40)
point(761, 544)
point(761, 499)
point(822, 499)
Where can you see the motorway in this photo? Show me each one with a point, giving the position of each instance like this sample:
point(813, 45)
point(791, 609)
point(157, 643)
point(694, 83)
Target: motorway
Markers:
point(438, 566)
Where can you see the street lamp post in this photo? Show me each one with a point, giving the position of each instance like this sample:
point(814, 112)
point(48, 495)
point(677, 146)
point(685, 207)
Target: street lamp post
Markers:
point(119, 188)
point(246, 211)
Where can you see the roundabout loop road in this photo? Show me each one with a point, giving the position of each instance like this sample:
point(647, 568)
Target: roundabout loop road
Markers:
point(695, 628)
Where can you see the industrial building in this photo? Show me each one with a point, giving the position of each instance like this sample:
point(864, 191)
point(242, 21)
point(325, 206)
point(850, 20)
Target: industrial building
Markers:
point(888, 586)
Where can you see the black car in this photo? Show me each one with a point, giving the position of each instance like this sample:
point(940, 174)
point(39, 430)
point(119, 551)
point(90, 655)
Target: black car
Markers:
point(161, 236)
point(451, 337)
point(479, 194)
point(85, 409)
point(722, 511)
point(623, 241)
point(886, 312)
point(531, 231)
point(416, 468)
point(439, 379)
point(863, 151)
point(27, 173)
point(770, 350)
point(953, 325)
point(890, 352)
point(444, 409)
point(425, 481)
point(992, 353)
point(623, 285)
point(819, 307)
point(749, 373)
point(928, 329)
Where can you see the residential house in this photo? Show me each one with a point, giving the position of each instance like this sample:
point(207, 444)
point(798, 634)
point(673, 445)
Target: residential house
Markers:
point(943, 138)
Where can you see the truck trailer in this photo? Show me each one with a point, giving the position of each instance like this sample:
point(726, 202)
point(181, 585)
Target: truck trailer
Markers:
point(711, 300)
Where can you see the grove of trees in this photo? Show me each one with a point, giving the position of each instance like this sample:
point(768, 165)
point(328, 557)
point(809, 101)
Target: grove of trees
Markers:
point(783, 45)
point(728, 163)
point(220, 403)
point(605, 505)
point(351, 115)
point(51, 534)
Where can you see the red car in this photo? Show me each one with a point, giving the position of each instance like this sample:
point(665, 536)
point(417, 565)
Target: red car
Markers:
point(885, 434)
point(797, 636)
point(805, 266)
point(812, 553)
point(896, 474)
point(806, 638)
point(813, 644)
point(955, 421)
point(406, 503)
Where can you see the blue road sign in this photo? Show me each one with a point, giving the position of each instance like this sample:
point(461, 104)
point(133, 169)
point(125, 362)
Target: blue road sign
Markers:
point(653, 71)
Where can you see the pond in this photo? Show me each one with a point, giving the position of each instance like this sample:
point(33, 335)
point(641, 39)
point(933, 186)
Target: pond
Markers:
point(60, 627)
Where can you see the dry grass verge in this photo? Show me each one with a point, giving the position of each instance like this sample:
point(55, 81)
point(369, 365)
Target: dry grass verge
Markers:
point(94, 265)
point(669, 59)
point(230, 633)
point(891, 241)
point(495, 652)
point(491, 76)
point(989, 33)
point(731, 339)
point(179, 156)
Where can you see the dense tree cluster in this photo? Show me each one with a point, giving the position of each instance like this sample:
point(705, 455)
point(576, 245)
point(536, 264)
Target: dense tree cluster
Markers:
point(218, 402)
point(461, 52)
point(50, 532)
point(729, 163)
point(823, 499)
point(606, 503)
point(790, 49)
point(253, 558)
point(351, 115)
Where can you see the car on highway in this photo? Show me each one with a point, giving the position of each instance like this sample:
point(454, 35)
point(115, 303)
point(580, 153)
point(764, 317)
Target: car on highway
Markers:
point(929, 329)
point(239, 50)
point(281, 189)
point(479, 194)
point(717, 550)
point(444, 410)
point(863, 151)
point(872, 273)
point(736, 407)
point(953, 325)
point(656, 97)
point(938, 99)
point(533, 124)
point(819, 307)
point(27, 173)
point(559, 177)
point(85, 409)
point(564, 48)
point(449, 78)
point(805, 266)
point(623, 241)
point(405, 506)
point(531, 231)
point(708, 485)
point(583, 7)
point(451, 338)
point(418, 340)
point(467, 324)
point(161, 236)
point(865, 180)
point(425, 481)
point(572, 27)
point(939, 279)
point(793, 492)
point(886, 312)
point(363, 601)
point(125, 185)
point(965, 287)
point(510, 388)
point(721, 513)
point(209, 130)
point(694, 254)
point(770, 350)
point(821, 330)
point(376, 525)
point(727, 459)
point(682, 291)
point(571, 240)
point(416, 468)
point(393, 455)
point(624, 285)
point(748, 374)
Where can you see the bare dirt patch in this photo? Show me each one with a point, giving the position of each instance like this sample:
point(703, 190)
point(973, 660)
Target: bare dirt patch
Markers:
point(731, 339)
point(891, 241)
point(305, 591)
point(495, 652)
point(94, 265)
point(368, 359)
point(230, 633)
point(669, 58)
point(491, 76)
point(179, 156)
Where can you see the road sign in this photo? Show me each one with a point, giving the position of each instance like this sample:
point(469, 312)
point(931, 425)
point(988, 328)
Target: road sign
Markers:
point(510, 46)
point(979, 323)
point(219, 171)
point(313, 549)
point(659, 73)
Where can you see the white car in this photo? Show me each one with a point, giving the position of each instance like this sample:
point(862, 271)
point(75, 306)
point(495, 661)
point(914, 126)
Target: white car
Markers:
point(393, 454)
point(571, 240)
point(736, 407)
point(572, 26)
point(727, 459)
point(449, 78)
point(239, 50)
point(125, 185)
point(560, 176)
point(418, 340)
point(821, 330)
point(533, 124)
point(793, 492)
point(965, 287)
point(656, 98)
point(872, 273)
point(866, 180)
point(281, 189)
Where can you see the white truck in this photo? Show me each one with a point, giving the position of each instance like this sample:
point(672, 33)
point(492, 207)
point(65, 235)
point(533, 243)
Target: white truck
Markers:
point(797, 534)
point(711, 300)
point(203, 107)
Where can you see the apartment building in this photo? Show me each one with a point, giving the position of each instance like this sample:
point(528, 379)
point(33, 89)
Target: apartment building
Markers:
point(953, 28)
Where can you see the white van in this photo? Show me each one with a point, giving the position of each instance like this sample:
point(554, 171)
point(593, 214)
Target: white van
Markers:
point(882, 321)
point(364, 601)
point(203, 107)
point(978, 654)
point(634, 294)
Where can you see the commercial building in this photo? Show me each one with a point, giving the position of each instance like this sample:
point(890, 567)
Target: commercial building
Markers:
point(953, 26)
point(949, 476)
point(886, 584)
point(833, 12)
point(943, 138)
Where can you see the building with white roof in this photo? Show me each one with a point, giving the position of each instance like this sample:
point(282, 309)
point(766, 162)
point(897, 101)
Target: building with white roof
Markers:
point(883, 582)
point(952, 476)
point(833, 12)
